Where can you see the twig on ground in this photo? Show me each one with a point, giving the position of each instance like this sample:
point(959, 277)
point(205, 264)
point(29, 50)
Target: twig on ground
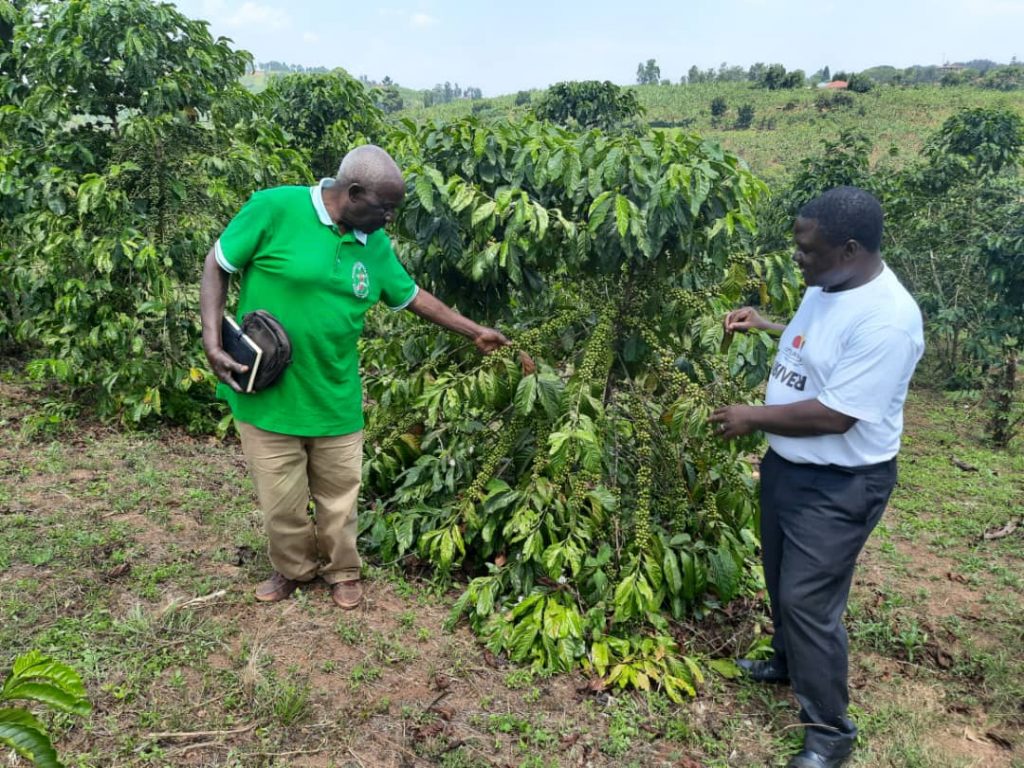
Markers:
point(201, 745)
point(174, 605)
point(286, 754)
point(184, 735)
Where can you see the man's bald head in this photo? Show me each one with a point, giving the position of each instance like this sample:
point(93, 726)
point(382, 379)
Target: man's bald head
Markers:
point(370, 167)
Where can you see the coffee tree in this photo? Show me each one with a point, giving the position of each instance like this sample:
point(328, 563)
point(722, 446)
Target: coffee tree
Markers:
point(586, 497)
point(589, 104)
point(125, 145)
point(325, 114)
point(957, 236)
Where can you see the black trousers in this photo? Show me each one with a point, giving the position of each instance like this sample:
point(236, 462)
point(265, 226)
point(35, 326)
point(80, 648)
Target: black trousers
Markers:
point(814, 522)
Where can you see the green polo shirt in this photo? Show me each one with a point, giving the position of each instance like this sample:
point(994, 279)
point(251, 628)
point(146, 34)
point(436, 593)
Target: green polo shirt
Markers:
point(319, 283)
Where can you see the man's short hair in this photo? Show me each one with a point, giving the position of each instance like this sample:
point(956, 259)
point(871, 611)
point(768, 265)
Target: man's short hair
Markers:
point(847, 213)
point(370, 166)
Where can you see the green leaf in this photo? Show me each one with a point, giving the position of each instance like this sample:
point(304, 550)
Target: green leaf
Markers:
point(725, 574)
point(726, 668)
point(599, 210)
point(485, 599)
point(600, 656)
point(482, 213)
point(47, 693)
point(670, 567)
point(526, 394)
point(623, 212)
point(425, 192)
point(28, 742)
point(550, 393)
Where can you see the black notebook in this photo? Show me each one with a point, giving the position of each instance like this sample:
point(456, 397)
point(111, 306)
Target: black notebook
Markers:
point(243, 349)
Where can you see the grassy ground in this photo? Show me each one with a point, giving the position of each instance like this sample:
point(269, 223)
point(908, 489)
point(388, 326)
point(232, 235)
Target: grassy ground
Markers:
point(107, 539)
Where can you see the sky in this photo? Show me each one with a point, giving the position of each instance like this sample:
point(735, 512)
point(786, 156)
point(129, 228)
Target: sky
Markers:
point(525, 44)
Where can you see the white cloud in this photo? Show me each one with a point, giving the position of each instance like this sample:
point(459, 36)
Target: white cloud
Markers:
point(310, 37)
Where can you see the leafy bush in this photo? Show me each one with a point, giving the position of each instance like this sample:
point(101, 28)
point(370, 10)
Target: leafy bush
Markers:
point(325, 113)
point(588, 497)
point(588, 104)
point(860, 83)
point(744, 117)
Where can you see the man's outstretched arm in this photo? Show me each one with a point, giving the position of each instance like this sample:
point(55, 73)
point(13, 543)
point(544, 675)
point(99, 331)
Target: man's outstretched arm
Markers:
point(429, 307)
point(806, 418)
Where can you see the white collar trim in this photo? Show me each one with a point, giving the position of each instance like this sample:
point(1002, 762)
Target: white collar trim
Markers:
point(316, 192)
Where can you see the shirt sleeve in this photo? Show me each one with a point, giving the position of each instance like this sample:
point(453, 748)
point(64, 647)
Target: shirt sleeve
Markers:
point(871, 371)
point(398, 289)
point(245, 234)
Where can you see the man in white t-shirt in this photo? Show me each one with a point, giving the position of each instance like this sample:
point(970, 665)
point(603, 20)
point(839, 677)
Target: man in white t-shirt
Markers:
point(833, 415)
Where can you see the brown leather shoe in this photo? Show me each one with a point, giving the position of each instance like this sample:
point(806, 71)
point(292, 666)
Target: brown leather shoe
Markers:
point(347, 594)
point(277, 587)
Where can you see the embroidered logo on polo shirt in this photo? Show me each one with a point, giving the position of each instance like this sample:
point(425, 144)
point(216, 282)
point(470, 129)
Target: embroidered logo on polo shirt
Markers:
point(360, 280)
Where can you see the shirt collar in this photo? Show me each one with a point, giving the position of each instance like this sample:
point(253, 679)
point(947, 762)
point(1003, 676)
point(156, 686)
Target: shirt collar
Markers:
point(317, 194)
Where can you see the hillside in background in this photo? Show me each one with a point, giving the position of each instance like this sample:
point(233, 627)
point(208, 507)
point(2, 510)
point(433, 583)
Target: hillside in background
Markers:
point(787, 124)
point(899, 111)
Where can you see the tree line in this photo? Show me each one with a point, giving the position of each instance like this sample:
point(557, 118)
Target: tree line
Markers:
point(982, 73)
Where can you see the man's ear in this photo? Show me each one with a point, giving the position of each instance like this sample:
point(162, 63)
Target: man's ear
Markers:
point(355, 190)
point(851, 248)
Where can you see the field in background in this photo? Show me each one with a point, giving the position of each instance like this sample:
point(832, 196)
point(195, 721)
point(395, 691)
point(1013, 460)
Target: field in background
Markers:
point(788, 125)
point(132, 556)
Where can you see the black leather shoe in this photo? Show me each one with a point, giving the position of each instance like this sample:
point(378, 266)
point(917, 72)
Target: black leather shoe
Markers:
point(763, 671)
point(809, 759)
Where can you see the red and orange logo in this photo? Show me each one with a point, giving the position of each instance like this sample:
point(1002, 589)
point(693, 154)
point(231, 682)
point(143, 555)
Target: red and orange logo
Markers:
point(798, 342)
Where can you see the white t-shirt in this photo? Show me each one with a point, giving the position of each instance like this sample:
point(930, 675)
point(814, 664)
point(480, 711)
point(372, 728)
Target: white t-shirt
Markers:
point(854, 351)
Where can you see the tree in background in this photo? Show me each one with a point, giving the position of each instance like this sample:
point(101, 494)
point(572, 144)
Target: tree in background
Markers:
point(730, 74)
point(757, 72)
point(719, 107)
point(859, 83)
point(744, 117)
point(325, 113)
point(388, 99)
point(648, 74)
point(776, 78)
point(523, 98)
point(1009, 78)
point(960, 217)
point(588, 104)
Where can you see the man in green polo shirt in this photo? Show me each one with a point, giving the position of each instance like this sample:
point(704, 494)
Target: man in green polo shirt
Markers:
point(316, 258)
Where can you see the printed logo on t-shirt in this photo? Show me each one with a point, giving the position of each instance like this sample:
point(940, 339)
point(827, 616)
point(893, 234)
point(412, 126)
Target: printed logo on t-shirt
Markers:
point(790, 372)
point(792, 352)
point(360, 280)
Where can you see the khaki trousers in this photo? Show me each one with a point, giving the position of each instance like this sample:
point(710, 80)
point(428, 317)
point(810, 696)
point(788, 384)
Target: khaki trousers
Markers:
point(287, 470)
